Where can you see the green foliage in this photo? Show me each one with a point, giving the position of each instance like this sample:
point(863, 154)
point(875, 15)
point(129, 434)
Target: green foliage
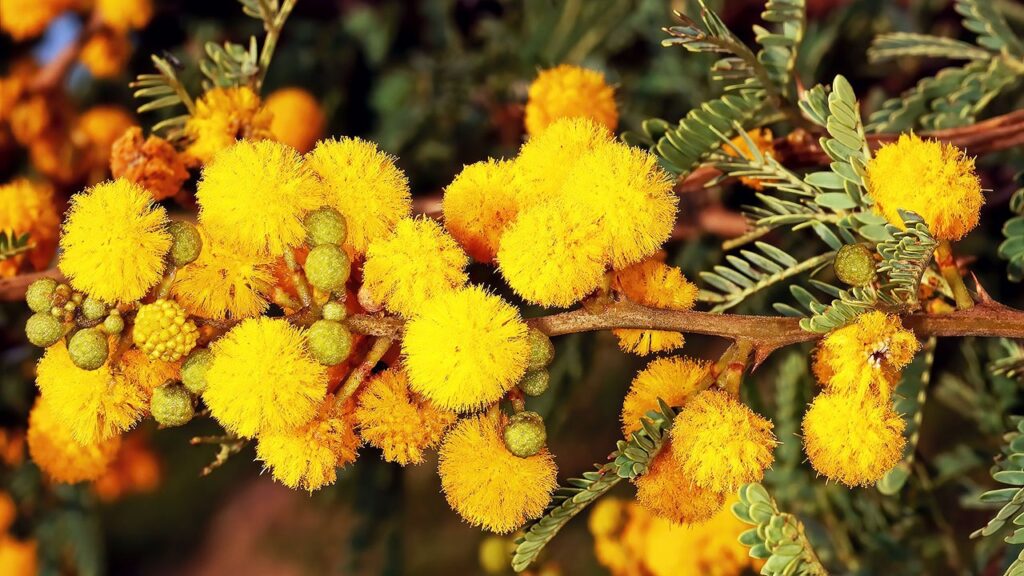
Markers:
point(900, 44)
point(777, 537)
point(905, 257)
point(681, 148)
point(165, 92)
point(11, 244)
point(1012, 248)
point(911, 394)
point(230, 65)
point(845, 306)
point(1009, 471)
point(984, 19)
point(752, 271)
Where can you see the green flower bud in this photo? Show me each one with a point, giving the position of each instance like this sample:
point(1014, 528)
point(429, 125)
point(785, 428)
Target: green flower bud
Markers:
point(88, 348)
point(334, 311)
point(325, 226)
point(330, 342)
point(542, 351)
point(186, 244)
point(327, 268)
point(93, 309)
point(39, 295)
point(43, 329)
point(171, 405)
point(525, 434)
point(855, 265)
point(193, 370)
point(113, 324)
point(535, 382)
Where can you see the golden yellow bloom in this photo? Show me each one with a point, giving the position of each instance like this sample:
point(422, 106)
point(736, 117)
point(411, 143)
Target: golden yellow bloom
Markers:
point(262, 379)
point(935, 180)
point(297, 120)
point(486, 484)
point(399, 422)
point(23, 19)
point(709, 548)
point(418, 262)
point(607, 517)
point(105, 53)
point(306, 457)
point(18, 558)
point(673, 379)
point(653, 283)
point(568, 91)
point(465, 349)
point(114, 242)
point(669, 492)
point(223, 116)
point(14, 84)
point(852, 441)
point(720, 443)
point(622, 552)
point(865, 357)
point(163, 331)
point(762, 139)
point(33, 117)
point(27, 206)
point(544, 161)
point(254, 195)
point(95, 132)
point(125, 15)
point(151, 163)
point(364, 185)
point(141, 371)
point(479, 204)
point(61, 457)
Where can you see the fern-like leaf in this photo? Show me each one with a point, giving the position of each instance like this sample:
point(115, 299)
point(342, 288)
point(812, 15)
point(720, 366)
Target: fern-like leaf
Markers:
point(984, 19)
point(164, 91)
point(12, 244)
point(1009, 471)
point(681, 148)
point(1012, 248)
point(901, 44)
point(751, 271)
point(777, 537)
point(905, 258)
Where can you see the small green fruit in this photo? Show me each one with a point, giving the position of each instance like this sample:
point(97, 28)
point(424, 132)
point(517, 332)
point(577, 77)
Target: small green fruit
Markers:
point(535, 382)
point(525, 434)
point(171, 405)
point(855, 265)
point(186, 244)
point(330, 342)
point(88, 348)
point(93, 309)
point(325, 226)
point(327, 268)
point(43, 329)
point(542, 351)
point(334, 311)
point(39, 295)
point(113, 324)
point(193, 370)
point(494, 555)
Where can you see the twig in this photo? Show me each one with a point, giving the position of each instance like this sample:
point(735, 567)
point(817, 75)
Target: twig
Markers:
point(380, 347)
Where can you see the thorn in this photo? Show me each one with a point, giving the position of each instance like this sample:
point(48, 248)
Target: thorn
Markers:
point(984, 298)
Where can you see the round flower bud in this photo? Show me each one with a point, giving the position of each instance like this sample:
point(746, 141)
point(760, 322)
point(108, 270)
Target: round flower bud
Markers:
point(43, 329)
point(325, 226)
point(855, 264)
point(329, 342)
point(93, 309)
point(542, 351)
point(171, 405)
point(327, 268)
point(163, 331)
point(185, 242)
point(39, 295)
point(494, 555)
point(535, 382)
point(88, 348)
point(113, 324)
point(334, 311)
point(525, 434)
point(193, 370)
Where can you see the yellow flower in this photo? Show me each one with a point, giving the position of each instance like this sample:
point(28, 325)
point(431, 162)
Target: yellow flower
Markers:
point(607, 517)
point(406, 269)
point(23, 19)
point(99, 127)
point(306, 457)
point(544, 161)
point(151, 163)
point(364, 185)
point(762, 139)
point(62, 458)
point(223, 283)
point(709, 548)
point(141, 371)
point(852, 441)
point(105, 53)
point(396, 420)
point(253, 196)
point(721, 444)
point(222, 116)
point(114, 242)
point(18, 558)
point(163, 331)
point(125, 15)
point(865, 357)
point(479, 204)
point(262, 379)
point(674, 379)
point(27, 206)
point(668, 491)
point(486, 484)
point(465, 349)
point(935, 180)
point(298, 120)
point(653, 283)
point(567, 91)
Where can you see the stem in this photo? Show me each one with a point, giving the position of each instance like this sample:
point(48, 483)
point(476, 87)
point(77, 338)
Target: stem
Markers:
point(951, 274)
point(273, 27)
point(298, 279)
point(380, 347)
point(163, 290)
point(732, 365)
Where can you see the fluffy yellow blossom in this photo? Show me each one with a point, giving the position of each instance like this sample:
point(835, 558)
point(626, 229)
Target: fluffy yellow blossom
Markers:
point(607, 517)
point(17, 557)
point(622, 552)
point(95, 132)
point(935, 180)
point(762, 139)
point(307, 457)
point(865, 357)
point(151, 163)
point(145, 373)
point(653, 283)
point(545, 159)
point(262, 379)
point(23, 19)
point(465, 349)
point(58, 454)
point(364, 185)
point(114, 242)
point(125, 15)
point(669, 492)
point(568, 91)
point(399, 422)
point(486, 484)
point(223, 283)
point(674, 379)
point(479, 204)
point(254, 195)
point(720, 443)
point(223, 116)
point(710, 548)
point(163, 331)
point(105, 53)
point(415, 263)
point(27, 206)
point(297, 120)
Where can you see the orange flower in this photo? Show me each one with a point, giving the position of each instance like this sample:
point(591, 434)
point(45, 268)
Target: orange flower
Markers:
point(106, 53)
point(26, 206)
point(151, 163)
point(298, 120)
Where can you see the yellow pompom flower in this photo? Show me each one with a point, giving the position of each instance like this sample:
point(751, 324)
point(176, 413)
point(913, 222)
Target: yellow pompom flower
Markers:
point(254, 195)
point(720, 443)
point(163, 331)
point(396, 420)
point(412, 265)
point(607, 517)
point(865, 357)
point(114, 242)
point(935, 180)
point(23, 19)
point(486, 484)
point(479, 204)
point(710, 548)
point(97, 129)
point(762, 139)
point(545, 159)
point(852, 441)
point(105, 53)
point(124, 15)
point(653, 283)
point(62, 458)
point(365, 186)
point(27, 206)
point(568, 91)
point(306, 457)
point(668, 492)
point(297, 120)
point(673, 379)
point(145, 373)
point(17, 557)
point(262, 379)
point(465, 349)
point(223, 116)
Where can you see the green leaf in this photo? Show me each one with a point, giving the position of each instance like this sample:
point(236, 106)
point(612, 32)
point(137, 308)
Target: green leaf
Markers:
point(901, 44)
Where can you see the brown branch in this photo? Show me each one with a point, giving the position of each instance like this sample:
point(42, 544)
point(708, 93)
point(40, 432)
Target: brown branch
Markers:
point(14, 288)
